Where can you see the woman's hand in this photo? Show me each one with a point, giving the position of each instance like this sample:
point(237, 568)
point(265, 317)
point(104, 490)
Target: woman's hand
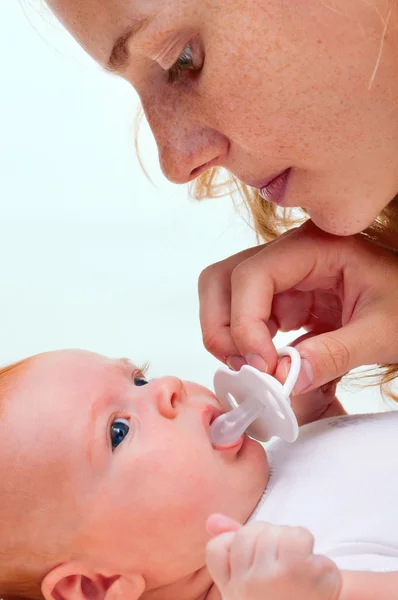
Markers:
point(344, 291)
point(260, 561)
point(317, 404)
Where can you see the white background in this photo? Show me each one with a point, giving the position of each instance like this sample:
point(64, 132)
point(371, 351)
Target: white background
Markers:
point(92, 254)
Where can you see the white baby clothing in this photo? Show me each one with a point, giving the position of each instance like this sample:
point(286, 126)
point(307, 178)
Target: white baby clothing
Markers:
point(340, 481)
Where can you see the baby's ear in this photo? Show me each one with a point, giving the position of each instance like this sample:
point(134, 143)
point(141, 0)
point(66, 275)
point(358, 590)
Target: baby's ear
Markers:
point(73, 581)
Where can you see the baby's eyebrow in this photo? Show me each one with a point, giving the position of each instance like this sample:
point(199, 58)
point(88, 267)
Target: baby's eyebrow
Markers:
point(133, 369)
point(126, 362)
point(119, 56)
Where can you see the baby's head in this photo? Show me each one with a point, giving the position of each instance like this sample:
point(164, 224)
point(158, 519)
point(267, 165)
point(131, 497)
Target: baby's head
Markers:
point(107, 480)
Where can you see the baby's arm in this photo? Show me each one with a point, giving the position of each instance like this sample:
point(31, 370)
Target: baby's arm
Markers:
point(365, 585)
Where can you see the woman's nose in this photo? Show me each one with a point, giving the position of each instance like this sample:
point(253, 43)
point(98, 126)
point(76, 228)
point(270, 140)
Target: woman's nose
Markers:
point(168, 394)
point(184, 158)
point(186, 130)
point(186, 146)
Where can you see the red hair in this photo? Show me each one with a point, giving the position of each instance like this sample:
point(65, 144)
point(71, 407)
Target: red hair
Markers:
point(16, 579)
point(10, 373)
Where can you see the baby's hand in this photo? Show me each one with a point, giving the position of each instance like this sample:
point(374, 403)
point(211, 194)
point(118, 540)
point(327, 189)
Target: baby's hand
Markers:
point(260, 560)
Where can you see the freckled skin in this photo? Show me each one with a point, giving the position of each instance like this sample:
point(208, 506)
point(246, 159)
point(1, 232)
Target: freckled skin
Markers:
point(286, 83)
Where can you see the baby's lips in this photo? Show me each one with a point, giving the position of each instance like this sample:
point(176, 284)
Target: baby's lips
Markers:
point(210, 414)
point(234, 446)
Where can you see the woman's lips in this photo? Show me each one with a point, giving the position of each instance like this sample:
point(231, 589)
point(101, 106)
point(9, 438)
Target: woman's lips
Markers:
point(273, 189)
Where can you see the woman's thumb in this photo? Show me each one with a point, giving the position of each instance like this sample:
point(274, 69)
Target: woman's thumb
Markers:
point(327, 356)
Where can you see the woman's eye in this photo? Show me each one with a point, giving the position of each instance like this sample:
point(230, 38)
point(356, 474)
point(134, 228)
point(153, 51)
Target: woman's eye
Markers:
point(138, 381)
point(185, 62)
point(119, 431)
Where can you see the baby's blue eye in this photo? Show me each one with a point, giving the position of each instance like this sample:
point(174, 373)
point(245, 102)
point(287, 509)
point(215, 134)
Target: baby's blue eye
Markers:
point(138, 381)
point(119, 431)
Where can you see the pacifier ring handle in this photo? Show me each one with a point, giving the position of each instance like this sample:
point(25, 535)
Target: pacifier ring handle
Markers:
point(294, 370)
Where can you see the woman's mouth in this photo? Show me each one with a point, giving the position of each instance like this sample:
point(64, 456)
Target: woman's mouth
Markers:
point(275, 190)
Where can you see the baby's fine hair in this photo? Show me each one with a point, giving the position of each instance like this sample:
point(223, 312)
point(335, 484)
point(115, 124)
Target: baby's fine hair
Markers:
point(17, 578)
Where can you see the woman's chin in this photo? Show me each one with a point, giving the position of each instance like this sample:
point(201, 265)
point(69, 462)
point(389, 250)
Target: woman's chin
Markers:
point(340, 226)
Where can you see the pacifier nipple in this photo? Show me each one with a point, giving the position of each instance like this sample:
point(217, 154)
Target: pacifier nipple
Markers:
point(256, 403)
point(228, 428)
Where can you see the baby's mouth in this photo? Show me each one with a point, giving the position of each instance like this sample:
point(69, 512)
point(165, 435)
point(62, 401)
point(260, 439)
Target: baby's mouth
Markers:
point(212, 413)
point(236, 446)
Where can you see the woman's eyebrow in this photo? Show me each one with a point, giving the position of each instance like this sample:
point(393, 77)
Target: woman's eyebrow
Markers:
point(120, 54)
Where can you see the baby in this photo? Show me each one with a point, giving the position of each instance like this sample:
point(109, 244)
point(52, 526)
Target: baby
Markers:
point(108, 481)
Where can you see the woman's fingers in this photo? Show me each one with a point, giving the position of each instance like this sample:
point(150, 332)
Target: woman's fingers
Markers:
point(215, 305)
point(316, 403)
point(251, 305)
point(343, 290)
point(319, 310)
point(236, 299)
point(276, 269)
point(331, 355)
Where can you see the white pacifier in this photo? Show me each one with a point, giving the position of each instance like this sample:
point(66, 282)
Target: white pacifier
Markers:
point(256, 403)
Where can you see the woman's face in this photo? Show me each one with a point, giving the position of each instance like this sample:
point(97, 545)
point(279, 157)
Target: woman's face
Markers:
point(304, 88)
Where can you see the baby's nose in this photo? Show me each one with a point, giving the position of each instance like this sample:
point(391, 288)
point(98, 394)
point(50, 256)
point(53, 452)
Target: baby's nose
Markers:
point(168, 393)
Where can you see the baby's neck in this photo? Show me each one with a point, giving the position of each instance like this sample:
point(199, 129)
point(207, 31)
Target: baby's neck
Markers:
point(198, 586)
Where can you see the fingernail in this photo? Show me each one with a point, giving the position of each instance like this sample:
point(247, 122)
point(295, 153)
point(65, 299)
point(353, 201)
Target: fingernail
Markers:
point(235, 362)
point(306, 377)
point(257, 361)
point(283, 369)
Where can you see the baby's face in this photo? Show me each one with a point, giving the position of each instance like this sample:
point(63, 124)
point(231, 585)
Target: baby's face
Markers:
point(128, 461)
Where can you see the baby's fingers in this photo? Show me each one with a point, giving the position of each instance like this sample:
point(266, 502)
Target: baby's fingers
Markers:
point(295, 543)
point(217, 524)
point(325, 575)
point(283, 545)
point(218, 559)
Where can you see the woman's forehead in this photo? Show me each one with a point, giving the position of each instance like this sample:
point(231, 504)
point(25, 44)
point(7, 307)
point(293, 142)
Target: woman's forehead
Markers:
point(97, 24)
